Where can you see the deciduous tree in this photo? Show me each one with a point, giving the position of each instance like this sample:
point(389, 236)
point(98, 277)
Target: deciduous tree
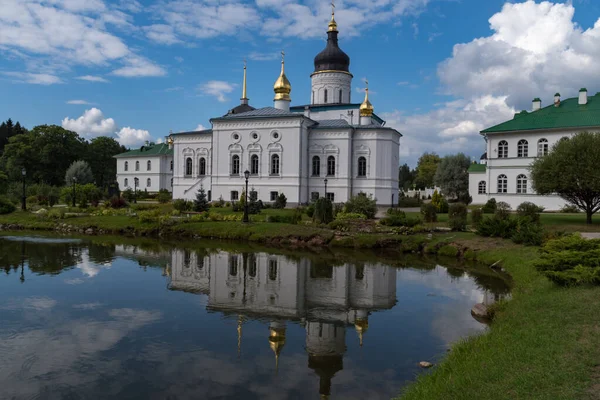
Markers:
point(426, 169)
point(452, 176)
point(100, 157)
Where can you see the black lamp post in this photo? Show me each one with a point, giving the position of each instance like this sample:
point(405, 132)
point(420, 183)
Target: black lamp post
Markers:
point(74, 190)
point(135, 185)
point(325, 180)
point(246, 175)
point(23, 198)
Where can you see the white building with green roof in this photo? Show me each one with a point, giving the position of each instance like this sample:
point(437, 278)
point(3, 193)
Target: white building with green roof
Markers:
point(151, 165)
point(511, 147)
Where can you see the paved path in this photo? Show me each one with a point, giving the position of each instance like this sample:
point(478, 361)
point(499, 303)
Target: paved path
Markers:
point(590, 235)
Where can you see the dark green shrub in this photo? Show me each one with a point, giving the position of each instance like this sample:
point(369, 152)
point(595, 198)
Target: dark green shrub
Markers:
point(443, 206)
point(182, 205)
point(285, 219)
point(490, 206)
point(429, 212)
point(400, 220)
point(395, 211)
point(128, 194)
point(447, 251)
point(337, 208)
point(254, 205)
point(476, 216)
point(6, 206)
point(310, 210)
point(344, 216)
point(457, 217)
point(529, 210)
point(201, 201)
point(570, 209)
point(339, 225)
point(117, 202)
point(465, 198)
point(495, 227)
point(528, 232)
point(502, 210)
point(362, 204)
point(164, 196)
point(405, 201)
point(53, 196)
point(323, 211)
point(281, 201)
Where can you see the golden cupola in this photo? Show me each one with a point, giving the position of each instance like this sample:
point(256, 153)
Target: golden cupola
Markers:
point(277, 339)
point(361, 326)
point(366, 108)
point(282, 86)
point(332, 27)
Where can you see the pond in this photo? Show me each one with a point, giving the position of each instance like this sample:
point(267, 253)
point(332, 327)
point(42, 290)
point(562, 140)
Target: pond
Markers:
point(120, 318)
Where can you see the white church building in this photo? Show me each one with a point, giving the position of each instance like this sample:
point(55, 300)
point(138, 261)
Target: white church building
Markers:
point(503, 171)
point(329, 146)
point(149, 168)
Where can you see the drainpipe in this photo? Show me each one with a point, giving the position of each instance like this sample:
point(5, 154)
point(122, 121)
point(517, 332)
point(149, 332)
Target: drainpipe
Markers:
point(352, 131)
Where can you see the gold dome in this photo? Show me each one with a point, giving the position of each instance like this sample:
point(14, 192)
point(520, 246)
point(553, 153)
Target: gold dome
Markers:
point(361, 326)
point(366, 108)
point(332, 24)
point(276, 342)
point(282, 86)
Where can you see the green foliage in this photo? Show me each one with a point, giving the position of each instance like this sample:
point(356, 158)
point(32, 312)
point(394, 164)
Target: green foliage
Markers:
point(183, 205)
point(100, 157)
point(323, 211)
point(164, 196)
point(476, 215)
point(530, 210)
point(571, 171)
point(490, 206)
point(495, 227)
point(502, 210)
point(457, 217)
point(528, 232)
point(571, 261)
point(429, 212)
point(452, 176)
point(362, 204)
point(117, 202)
point(149, 216)
point(310, 210)
point(293, 219)
point(436, 199)
point(254, 205)
point(128, 194)
point(426, 169)
point(570, 209)
point(406, 177)
point(406, 201)
point(6, 206)
point(56, 213)
point(400, 219)
point(8, 130)
point(344, 216)
point(81, 171)
point(443, 206)
point(281, 201)
point(201, 201)
point(447, 251)
point(337, 208)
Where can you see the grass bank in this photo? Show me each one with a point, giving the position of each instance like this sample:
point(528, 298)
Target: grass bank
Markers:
point(542, 344)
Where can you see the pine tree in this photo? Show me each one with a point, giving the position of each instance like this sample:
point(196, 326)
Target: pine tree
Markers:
point(201, 202)
point(253, 204)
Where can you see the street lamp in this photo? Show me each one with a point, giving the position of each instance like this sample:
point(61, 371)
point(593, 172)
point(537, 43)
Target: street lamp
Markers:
point(23, 198)
point(135, 185)
point(325, 180)
point(246, 175)
point(74, 195)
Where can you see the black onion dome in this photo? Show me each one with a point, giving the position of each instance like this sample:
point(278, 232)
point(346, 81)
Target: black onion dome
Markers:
point(332, 58)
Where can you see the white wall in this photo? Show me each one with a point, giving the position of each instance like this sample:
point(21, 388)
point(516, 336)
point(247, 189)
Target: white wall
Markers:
point(332, 82)
point(159, 174)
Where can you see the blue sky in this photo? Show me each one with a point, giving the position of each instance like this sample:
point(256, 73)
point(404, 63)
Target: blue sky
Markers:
point(439, 70)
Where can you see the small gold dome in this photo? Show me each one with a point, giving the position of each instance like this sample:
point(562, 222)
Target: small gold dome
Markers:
point(276, 342)
point(366, 108)
point(282, 86)
point(332, 24)
point(361, 326)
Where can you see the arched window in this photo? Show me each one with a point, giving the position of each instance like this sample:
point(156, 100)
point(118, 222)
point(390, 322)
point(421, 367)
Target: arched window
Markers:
point(330, 166)
point(235, 165)
point(126, 165)
point(137, 165)
point(482, 187)
point(171, 182)
point(542, 147)
point(254, 164)
point(148, 182)
point(502, 184)
point(340, 95)
point(202, 168)
point(521, 184)
point(171, 165)
point(275, 164)
point(325, 96)
point(522, 148)
point(272, 270)
point(126, 182)
point(362, 166)
point(188, 166)
point(316, 166)
point(503, 149)
point(149, 166)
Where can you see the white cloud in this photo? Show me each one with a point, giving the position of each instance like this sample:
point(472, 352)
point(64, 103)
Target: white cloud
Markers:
point(131, 137)
point(139, 67)
point(200, 127)
point(217, 89)
point(91, 78)
point(78, 102)
point(179, 59)
point(35, 79)
point(256, 56)
point(91, 124)
point(161, 33)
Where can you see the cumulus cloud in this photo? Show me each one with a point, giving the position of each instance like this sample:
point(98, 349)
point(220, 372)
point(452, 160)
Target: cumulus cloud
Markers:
point(131, 137)
point(161, 33)
point(91, 78)
point(217, 89)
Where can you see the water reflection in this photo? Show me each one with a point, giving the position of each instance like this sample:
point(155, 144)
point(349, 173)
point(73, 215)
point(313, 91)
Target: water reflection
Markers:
point(234, 322)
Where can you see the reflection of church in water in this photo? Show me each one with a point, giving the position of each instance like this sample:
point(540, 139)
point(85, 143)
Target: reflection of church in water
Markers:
point(324, 299)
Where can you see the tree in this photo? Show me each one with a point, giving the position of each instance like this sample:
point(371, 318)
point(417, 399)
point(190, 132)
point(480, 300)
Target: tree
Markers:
point(7, 130)
point(100, 157)
point(452, 176)
point(201, 202)
point(571, 171)
point(406, 176)
point(80, 170)
point(426, 169)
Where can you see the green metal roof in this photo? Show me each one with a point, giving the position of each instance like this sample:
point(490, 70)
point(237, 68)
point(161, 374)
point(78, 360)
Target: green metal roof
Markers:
point(161, 149)
point(477, 168)
point(569, 114)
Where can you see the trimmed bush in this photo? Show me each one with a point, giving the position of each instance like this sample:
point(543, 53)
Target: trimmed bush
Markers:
point(183, 205)
point(457, 217)
point(490, 206)
point(323, 211)
point(529, 210)
point(400, 220)
point(429, 212)
point(362, 204)
point(164, 196)
point(447, 251)
point(56, 213)
point(281, 201)
point(495, 227)
point(502, 210)
point(6, 206)
point(405, 201)
point(570, 209)
point(344, 216)
point(476, 216)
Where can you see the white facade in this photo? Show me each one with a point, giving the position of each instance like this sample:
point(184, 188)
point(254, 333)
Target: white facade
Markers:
point(153, 171)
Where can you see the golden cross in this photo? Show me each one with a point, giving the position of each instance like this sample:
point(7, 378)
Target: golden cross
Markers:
point(244, 63)
point(282, 55)
point(367, 83)
point(332, 7)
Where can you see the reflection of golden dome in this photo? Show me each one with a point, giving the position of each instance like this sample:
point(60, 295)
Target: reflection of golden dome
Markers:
point(277, 341)
point(361, 326)
point(282, 86)
point(366, 108)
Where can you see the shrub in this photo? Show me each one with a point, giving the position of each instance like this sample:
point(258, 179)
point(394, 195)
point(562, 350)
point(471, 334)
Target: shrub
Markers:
point(310, 210)
point(476, 216)
point(6, 206)
point(528, 232)
point(53, 196)
point(362, 204)
point(323, 211)
point(495, 227)
point(409, 202)
point(254, 205)
point(56, 213)
point(395, 211)
point(436, 199)
point(337, 208)
point(228, 204)
point(443, 207)
point(285, 219)
point(183, 205)
point(457, 217)
point(570, 209)
point(117, 202)
point(237, 206)
point(465, 198)
point(33, 200)
point(128, 194)
point(164, 196)
point(429, 212)
point(339, 225)
point(281, 201)
point(447, 251)
point(490, 206)
point(400, 220)
point(502, 210)
point(201, 201)
point(344, 216)
point(529, 210)
point(150, 216)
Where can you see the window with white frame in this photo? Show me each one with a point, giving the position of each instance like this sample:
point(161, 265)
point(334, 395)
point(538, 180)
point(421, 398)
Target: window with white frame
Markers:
point(502, 184)
point(503, 149)
point(274, 196)
point(202, 166)
point(362, 167)
point(330, 166)
point(522, 184)
point(149, 166)
point(148, 182)
point(482, 187)
point(325, 96)
point(188, 166)
point(126, 166)
point(126, 182)
point(254, 164)
point(234, 195)
point(542, 147)
point(137, 165)
point(275, 164)
point(331, 197)
point(235, 164)
point(316, 166)
point(522, 148)
point(272, 269)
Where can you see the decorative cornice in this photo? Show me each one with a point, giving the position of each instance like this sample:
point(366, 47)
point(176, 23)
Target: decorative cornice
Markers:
point(331, 71)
